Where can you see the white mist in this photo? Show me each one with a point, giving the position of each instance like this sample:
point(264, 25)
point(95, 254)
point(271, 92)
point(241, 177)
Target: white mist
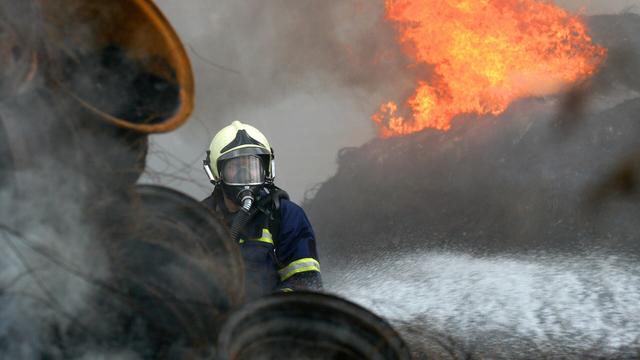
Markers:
point(555, 304)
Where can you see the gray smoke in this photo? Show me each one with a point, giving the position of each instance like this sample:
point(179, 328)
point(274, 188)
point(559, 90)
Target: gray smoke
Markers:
point(593, 7)
point(54, 180)
point(253, 54)
point(42, 225)
point(50, 258)
point(306, 73)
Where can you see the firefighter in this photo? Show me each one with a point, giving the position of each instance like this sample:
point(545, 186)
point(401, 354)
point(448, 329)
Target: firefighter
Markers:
point(275, 237)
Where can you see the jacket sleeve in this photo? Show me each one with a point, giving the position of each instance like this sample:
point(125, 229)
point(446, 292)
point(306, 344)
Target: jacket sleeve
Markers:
point(299, 267)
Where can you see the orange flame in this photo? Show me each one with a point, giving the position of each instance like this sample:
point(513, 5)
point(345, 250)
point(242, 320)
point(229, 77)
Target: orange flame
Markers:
point(485, 54)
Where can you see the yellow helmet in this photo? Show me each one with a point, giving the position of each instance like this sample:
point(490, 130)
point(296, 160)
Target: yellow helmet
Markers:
point(234, 141)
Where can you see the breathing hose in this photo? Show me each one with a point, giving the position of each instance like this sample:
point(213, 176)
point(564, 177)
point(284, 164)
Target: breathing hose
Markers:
point(244, 214)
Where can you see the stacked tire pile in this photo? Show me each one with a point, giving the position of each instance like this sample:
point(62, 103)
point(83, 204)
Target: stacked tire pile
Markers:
point(83, 85)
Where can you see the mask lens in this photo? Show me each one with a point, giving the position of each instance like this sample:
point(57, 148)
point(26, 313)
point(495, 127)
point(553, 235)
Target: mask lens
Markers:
point(243, 170)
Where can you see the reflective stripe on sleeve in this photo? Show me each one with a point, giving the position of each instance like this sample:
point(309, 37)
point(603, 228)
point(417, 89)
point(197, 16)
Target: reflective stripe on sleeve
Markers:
point(298, 266)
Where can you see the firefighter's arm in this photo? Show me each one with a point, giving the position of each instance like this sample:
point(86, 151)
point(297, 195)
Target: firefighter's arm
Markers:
point(296, 251)
point(308, 280)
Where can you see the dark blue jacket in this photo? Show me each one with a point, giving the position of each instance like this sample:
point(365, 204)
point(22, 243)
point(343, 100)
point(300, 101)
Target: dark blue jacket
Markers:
point(285, 261)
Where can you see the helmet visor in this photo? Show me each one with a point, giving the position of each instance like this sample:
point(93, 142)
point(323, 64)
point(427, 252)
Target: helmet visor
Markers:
point(243, 170)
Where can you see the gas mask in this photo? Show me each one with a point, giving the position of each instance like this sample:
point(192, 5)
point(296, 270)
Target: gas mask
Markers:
point(242, 178)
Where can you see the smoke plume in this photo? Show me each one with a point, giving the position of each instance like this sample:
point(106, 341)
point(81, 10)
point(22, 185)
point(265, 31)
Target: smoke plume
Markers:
point(81, 275)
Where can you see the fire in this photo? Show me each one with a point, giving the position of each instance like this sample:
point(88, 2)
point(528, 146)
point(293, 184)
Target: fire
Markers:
point(485, 54)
